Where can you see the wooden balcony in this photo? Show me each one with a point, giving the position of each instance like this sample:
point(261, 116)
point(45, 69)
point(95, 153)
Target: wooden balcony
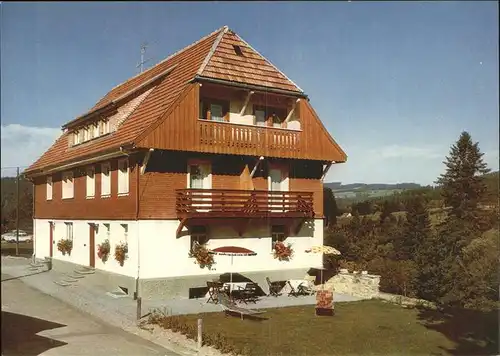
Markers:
point(222, 203)
point(225, 137)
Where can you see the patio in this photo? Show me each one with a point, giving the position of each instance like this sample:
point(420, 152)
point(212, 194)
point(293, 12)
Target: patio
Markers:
point(200, 305)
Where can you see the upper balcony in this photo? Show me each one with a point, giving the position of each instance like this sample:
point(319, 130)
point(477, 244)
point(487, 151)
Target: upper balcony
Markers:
point(222, 120)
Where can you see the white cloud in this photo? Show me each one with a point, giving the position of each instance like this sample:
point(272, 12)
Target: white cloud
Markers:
point(23, 145)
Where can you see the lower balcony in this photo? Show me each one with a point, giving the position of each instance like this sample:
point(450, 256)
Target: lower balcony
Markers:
point(243, 203)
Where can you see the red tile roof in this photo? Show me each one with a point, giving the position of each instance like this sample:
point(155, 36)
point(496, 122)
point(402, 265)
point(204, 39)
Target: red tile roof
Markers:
point(213, 56)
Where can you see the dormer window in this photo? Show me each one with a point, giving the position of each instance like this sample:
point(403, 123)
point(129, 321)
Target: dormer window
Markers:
point(237, 50)
point(76, 137)
point(103, 127)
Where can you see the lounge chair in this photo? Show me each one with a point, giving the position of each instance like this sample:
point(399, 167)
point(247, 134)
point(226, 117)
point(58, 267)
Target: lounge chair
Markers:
point(230, 306)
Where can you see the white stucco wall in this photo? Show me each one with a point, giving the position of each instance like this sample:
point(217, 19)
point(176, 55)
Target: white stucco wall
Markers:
point(162, 254)
point(167, 256)
point(80, 253)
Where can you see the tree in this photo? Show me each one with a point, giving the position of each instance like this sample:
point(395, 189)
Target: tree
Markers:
point(330, 209)
point(463, 186)
point(415, 230)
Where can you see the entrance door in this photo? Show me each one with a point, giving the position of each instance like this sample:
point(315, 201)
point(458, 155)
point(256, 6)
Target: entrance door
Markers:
point(199, 178)
point(51, 239)
point(92, 245)
point(275, 185)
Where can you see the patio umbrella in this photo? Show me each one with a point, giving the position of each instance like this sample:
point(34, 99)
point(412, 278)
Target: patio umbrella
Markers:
point(326, 250)
point(232, 251)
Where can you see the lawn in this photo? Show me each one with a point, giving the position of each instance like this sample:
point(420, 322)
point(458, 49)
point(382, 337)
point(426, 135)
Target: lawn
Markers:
point(359, 328)
point(9, 248)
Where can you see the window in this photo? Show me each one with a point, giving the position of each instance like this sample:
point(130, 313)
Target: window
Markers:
point(216, 112)
point(276, 116)
point(69, 231)
point(196, 176)
point(277, 234)
point(105, 179)
point(95, 128)
point(49, 188)
point(67, 185)
point(76, 137)
point(90, 182)
point(260, 117)
point(123, 177)
point(211, 109)
point(103, 127)
point(125, 232)
point(198, 235)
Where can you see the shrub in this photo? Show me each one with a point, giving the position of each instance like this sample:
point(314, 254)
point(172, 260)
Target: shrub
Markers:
point(121, 251)
point(65, 246)
point(103, 250)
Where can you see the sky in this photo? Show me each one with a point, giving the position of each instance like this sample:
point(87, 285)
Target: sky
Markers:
point(395, 83)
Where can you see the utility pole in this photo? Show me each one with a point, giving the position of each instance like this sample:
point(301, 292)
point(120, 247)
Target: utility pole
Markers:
point(143, 51)
point(17, 214)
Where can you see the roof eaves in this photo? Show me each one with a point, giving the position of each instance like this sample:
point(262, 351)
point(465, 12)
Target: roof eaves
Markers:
point(283, 74)
point(212, 50)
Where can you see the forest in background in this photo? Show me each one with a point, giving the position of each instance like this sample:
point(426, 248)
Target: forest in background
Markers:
point(435, 243)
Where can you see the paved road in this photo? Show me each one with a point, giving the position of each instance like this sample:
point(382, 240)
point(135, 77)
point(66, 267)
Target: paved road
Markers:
point(34, 323)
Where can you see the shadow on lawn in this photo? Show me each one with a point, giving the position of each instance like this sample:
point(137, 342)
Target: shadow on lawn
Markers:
point(19, 335)
point(473, 332)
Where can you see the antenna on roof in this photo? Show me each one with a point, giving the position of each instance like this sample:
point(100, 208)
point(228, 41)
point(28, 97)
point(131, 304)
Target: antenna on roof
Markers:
point(143, 51)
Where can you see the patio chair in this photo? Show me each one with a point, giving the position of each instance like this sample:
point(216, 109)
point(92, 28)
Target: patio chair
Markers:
point(293, 292)
point(213, 289)
point(230, 306)
point(249, 294)
point(305, 290)
point(274, 288)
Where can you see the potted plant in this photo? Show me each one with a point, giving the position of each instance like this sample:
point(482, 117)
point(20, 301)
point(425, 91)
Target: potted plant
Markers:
point(121, 251)
point(283, 252)
point(65, 246)
point(103, 250)
point(202, 257)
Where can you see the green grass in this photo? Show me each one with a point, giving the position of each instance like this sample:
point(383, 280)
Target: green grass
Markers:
point(25, 249)
point(359, 328)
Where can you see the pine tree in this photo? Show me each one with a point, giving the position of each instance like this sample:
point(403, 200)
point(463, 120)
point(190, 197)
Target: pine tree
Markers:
point(330, 208)
point(416, 229)
point(463, 186)
point(462, 189)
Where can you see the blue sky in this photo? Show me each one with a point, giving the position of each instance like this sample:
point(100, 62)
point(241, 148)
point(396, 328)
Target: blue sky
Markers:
point(394, 82)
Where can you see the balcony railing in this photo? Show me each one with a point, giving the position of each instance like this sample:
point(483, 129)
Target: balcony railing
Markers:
point(243, 203)
point(231, 136)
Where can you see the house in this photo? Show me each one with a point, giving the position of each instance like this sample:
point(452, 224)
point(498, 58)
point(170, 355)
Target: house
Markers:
point(212, 145)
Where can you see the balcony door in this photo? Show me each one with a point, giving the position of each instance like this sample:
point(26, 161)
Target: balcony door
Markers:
point(278, 184)
point(200, 177)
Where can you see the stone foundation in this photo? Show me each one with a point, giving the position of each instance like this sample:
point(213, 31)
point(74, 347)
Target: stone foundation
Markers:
point(355, 284)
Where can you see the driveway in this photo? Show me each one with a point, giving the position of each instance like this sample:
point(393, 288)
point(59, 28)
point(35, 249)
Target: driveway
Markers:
point(34, 323)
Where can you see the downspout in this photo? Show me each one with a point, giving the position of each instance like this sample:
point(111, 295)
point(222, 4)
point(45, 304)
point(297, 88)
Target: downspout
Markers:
point(34, 222)
point(127, 153)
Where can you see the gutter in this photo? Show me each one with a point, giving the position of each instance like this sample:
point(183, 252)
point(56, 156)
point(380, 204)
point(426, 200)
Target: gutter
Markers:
point(113, 154)
point(260, 88)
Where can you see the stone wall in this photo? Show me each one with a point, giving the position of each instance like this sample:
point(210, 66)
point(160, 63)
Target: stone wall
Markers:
point(355, 284)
